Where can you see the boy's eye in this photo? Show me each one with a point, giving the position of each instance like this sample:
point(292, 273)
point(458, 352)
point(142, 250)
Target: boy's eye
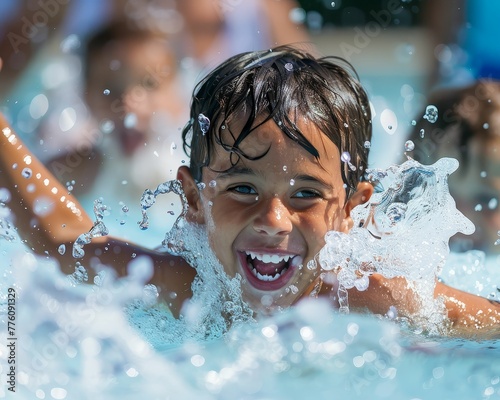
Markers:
point(243, 189)
point(307, 194)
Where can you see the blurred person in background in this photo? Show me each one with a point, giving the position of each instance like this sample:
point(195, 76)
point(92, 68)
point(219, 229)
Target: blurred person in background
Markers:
point(464, 88)
point(467, 129)
point(105, 120)
point(464, 38)
point(138, 108)
point(213, 30)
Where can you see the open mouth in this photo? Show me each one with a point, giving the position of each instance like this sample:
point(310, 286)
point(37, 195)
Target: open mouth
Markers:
point(269, 271)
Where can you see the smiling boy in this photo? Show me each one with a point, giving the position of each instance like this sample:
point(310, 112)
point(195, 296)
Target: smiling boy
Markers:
point(277, 146)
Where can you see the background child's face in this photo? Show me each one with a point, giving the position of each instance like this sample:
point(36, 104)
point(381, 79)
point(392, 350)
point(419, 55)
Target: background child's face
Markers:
point(139, 75)
point(476, 190)
point(266, 219)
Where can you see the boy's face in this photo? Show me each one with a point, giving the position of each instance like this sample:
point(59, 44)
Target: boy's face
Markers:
point(266, 219)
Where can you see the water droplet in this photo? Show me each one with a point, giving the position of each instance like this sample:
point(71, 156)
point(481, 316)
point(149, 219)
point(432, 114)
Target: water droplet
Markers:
point(289, 67)
point(43, 206)
point(107, 126)
point(409, 145)
point(367, 144)
point(106, 92)
point(345, 156)
point(70, 43)
point(312, 265)
point(130, 120)
point(478, 207)
point(26, 173)
point(173, 147)
point(346, 125)
point(292, 182)
point(422, 133)
point(413, 122)
point(31, 188)
point(389, 121)
point(125, 209)
point(212, 184)
point(431, 114)
point(204, 123)
point(79, 276)
point(284, 168)
point(483, 174)
point(486, 125)
point(61, 249)
point(493, 203)
point(149, 295)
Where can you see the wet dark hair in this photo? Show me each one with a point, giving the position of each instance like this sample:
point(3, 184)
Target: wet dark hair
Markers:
point(281, 84)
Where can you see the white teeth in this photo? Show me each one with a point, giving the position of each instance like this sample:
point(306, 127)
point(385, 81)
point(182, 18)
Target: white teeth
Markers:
point(267, 278)
point(268, 258)
point(274, 259)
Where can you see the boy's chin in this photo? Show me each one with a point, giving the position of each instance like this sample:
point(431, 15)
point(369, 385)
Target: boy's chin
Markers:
point(266, 303)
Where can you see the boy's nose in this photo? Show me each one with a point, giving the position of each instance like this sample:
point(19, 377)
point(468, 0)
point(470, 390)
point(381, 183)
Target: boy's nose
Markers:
point(273, 218)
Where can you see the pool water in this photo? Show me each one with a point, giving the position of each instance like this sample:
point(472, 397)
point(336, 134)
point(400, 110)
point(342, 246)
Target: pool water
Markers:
point(110, 340)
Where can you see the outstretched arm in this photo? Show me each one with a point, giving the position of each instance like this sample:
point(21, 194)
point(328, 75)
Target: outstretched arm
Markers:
point(47, 215)
point(469, 315)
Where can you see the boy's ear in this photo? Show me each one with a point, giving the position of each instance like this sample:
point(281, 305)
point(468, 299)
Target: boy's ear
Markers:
point(363, 193)
point(195, 211)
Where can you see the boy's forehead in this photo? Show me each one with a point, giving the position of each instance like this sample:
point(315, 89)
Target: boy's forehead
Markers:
point(264, 133)
point(269, 144)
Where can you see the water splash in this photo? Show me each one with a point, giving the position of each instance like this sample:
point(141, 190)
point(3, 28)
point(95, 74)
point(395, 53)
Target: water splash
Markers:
point(98, 229)
point(431, 114)
point(403, 230)
point(204, 123)
point(215, 306)
point(149, 196)
point(70, 349)
point(345, 157)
